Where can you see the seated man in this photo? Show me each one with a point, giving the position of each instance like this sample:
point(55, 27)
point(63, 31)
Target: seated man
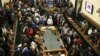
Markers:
point(34, 49)
point(25, 50)
point(50, 21)
point(42, 20)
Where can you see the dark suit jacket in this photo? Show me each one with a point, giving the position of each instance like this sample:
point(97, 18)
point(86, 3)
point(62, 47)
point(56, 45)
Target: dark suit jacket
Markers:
point(1, 52)
point(26, 52)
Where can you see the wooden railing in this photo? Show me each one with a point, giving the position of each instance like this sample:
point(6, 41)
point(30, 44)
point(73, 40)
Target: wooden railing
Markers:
point(14, 37)
point(90, 21)
point(86, 37)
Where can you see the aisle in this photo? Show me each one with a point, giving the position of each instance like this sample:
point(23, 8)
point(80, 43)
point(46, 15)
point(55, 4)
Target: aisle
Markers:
point(20, 33)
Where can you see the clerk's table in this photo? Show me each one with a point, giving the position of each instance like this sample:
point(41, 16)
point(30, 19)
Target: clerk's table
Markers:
point(52, 42)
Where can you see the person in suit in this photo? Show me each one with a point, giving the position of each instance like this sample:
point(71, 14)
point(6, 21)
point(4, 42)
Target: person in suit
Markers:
point(5, 45)
point(1, 52)
point(1, 49)
point(90, 52)
point(25, 50)
point(1, 32)
point(42, 20)
point(98, 43)
point(73, 51)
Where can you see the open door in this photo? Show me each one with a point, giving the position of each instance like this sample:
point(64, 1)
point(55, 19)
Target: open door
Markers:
point(78, 5)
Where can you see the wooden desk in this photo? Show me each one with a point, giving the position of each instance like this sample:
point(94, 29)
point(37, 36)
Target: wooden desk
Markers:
point(52, 42)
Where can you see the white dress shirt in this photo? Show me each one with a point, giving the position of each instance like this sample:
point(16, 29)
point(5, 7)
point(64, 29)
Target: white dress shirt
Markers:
point(69, 40)
point(49, 21)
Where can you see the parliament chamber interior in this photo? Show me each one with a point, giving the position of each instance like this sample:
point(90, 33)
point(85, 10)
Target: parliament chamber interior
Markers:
point(49, 28)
